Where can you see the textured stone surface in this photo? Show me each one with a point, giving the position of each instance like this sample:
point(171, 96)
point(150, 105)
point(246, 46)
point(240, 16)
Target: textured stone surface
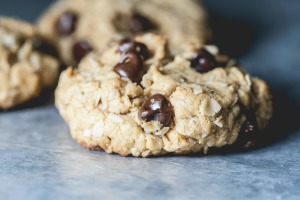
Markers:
point(39, 160)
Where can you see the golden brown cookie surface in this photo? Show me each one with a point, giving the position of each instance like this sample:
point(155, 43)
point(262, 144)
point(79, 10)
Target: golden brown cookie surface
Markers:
point(133, 101)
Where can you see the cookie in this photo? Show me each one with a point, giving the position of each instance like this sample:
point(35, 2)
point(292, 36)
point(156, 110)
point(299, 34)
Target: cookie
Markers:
point(79, 26)
point(27, 63)
point(136, 99)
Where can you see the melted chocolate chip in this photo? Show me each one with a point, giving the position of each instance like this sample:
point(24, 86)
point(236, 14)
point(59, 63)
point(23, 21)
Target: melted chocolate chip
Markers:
point(66, 23)
point(132, 67)
point(157, 108)
point(203, 61)
point(80, 49)
point(140, 24)
point(248, 135)
point(135, 47)
point(44, 47)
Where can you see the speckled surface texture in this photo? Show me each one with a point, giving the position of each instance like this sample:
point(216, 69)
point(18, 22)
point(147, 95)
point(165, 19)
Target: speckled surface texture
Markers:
point(39, 160)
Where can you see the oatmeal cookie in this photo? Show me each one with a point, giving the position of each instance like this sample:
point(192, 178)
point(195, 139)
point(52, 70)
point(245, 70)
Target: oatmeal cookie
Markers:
point(79, 26)
point(136, 99)
point(27, 63)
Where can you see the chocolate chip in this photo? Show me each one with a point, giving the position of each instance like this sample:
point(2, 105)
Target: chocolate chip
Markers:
point(203, 61)
point(135, 47)
point(248, 135)
point(157, 108)
point(66, 23)
point(140, 24)
point(132, 67)
point(80, 49)
point(44, 47)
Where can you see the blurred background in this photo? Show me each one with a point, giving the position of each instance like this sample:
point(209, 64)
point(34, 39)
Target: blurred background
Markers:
point(263, 35)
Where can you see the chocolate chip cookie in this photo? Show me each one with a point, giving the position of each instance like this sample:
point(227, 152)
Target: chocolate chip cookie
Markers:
point(79, 26)
point(27, 63)
point(136, 99)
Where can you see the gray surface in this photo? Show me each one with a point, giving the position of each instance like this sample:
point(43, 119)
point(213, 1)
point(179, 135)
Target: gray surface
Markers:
point(39, 160)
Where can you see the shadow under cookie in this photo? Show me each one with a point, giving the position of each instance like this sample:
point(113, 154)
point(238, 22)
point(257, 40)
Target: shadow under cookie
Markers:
point(283, 123)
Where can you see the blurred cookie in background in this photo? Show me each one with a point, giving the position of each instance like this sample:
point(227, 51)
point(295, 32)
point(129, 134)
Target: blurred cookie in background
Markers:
point(79, 26)
point(28, 63)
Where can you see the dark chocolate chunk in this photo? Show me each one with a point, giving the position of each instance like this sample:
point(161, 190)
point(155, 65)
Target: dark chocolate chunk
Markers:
point(80, 49)
point(66, 23)
point(203, 61)
point(131, 67)
point(141, 24)
point(135, 47)
point(157, 108)
point(249, 133)
point(44, 47)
